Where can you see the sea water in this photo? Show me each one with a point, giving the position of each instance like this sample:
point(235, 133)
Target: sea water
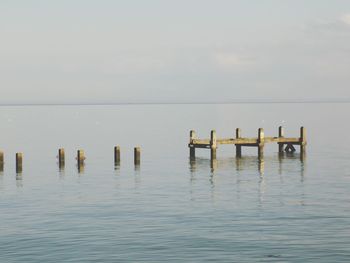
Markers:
point(170, 209)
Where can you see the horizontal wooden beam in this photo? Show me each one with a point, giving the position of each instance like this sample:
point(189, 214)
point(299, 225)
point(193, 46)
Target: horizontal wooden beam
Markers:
point(241, 141)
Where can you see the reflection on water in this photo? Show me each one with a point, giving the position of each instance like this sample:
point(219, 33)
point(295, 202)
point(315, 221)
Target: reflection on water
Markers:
point(19, 180)
point(248, 163)
point(61, 172)
point(249, 170)
point(81, 167)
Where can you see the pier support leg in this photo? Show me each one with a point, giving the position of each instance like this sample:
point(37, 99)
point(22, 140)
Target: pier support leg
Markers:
point(192, 152)
point(213, 145)
point(238, 147)
point(280, 135)
point(302, 140)
point(261, 142)
point(191, 146)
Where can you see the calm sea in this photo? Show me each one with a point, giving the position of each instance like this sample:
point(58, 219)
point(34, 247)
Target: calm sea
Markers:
point(169, 209)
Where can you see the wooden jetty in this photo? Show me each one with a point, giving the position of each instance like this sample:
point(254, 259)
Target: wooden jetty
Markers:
point(284, 143)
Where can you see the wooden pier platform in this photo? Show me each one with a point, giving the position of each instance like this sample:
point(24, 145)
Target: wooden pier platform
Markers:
point(284, 143)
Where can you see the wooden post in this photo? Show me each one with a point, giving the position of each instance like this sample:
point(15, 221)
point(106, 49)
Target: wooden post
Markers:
point(19, 160)
point(1, 161)
point(137, 155)
point(116, 155)
point(80, 157)
point(213, 144)
point(192, 148)
point(280, 135)
point(213, 165)
point(261, 164)
point(238, 147)
point(61, 158)
point(302, 139)
point(261, 141)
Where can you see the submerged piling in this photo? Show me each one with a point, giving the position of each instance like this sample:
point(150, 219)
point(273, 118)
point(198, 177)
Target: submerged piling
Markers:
point(280, 135)
point(238, 147)
point(61, 158)
point(19, 161)
point(1, 161)
point(302, 139)
point(261, 142)
point(116, 155)
point(80, 157)
point(192, 149)
point(213, 144)
point(137, 155)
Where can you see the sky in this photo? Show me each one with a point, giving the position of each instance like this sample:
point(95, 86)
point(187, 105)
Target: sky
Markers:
point(167, 51)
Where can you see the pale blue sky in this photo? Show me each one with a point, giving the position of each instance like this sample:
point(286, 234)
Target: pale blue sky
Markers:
point(79, 51)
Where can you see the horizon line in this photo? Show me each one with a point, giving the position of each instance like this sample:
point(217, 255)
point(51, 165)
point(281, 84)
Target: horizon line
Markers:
point(176, 103)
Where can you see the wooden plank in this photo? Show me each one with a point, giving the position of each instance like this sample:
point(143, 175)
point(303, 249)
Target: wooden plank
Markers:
point(225, 141)
point(246, 140)
point(200, 141)
point(242, 141)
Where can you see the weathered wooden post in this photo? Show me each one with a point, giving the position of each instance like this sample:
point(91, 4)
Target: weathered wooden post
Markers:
point(1, 161)
point(192, 148)
point(19, 161)
point(302, 139)
point(80, 157)
point(261, 142)
point(137, 155)
point(61, 158)
point(116, 155)
point(213, 165)
point(261, 164)
point(280, 135)
point(238, 147)
point(213, 145)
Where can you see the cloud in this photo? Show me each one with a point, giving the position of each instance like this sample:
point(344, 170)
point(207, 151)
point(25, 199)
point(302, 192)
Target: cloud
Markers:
point(231, 60)
point(345, 19)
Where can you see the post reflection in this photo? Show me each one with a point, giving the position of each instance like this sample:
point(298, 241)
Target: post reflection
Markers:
point(19, 180)
point(250, 173)
point(248, 163)
point(81, 168)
